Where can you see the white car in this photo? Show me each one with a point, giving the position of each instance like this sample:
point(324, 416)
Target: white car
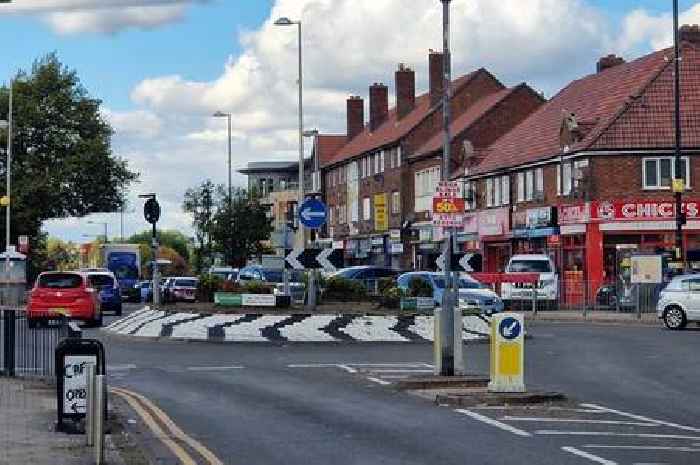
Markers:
point(679, 302)
point(547, 287)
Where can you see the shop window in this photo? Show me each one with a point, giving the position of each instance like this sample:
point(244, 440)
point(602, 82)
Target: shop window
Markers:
point(658, 172)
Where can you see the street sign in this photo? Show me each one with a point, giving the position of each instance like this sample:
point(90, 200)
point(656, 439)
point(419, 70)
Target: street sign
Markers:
point(448, 205)
point(507, 353)
point(151, 211)
point(314, 259)
point(469, 262)
point(313, 214)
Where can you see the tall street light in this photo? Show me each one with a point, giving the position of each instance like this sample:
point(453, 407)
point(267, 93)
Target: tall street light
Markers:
point(221, 114)
point(288, 22)
point(678, 181)
point(103, 224)
point(6, 201)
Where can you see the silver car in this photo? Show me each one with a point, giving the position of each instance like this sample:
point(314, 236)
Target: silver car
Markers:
point(679, 302)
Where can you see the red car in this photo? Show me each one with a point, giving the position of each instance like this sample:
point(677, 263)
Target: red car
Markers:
point(59, 294)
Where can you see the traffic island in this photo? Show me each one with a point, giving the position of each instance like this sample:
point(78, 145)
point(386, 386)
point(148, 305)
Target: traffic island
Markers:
point(480, 396)
point(443, 382)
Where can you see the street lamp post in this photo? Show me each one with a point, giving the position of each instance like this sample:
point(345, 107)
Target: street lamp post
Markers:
point(288, 22)
point(221, 114)
point(103, 224)
point(678, 181)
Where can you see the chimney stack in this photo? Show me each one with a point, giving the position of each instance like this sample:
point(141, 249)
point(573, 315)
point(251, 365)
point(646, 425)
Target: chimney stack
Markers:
point(608, 62)
point(355, 115)
point(378, 105)
point(436, 77)
point(405, 90)
point(690, 33)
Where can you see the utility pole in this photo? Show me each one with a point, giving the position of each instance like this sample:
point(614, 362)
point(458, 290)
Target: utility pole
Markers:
point(678, 180)
point(8, 222)
point(448, 345)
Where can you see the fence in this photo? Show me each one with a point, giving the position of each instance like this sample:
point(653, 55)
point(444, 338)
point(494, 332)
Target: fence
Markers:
point(25, 351)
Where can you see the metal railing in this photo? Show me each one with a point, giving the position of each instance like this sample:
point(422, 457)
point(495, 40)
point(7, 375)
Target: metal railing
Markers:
point(25, 351)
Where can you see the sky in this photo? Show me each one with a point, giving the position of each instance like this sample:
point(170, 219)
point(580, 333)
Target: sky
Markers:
point(163, 67)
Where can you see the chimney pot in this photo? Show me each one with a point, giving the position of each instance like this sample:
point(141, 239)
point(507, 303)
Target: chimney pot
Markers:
point(436, 77)
point(355, 116)
point(405, 90)
point(378, 105)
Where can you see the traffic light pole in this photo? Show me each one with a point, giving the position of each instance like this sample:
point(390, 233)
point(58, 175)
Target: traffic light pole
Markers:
point(156, 271)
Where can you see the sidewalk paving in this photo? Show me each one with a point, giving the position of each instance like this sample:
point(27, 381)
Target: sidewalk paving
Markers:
point(27, 422)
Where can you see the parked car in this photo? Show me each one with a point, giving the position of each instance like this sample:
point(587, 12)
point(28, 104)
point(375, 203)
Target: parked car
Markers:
point(145, 289)
point(108, 290)
point(369, 275)
point(180, 289)
point(58, 294)
point(547, 286)
point(275, 278)
point(472, 294)
point(679, 302)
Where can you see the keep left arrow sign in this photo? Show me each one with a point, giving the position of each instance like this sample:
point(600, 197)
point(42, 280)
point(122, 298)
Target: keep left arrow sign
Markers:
point(292, 260)
point(330, 259)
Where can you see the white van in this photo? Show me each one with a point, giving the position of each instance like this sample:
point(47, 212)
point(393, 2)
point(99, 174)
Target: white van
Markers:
point(548, 286)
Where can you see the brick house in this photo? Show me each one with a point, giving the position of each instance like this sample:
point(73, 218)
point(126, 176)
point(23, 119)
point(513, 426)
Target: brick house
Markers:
point(610, 137)
point(368, 182)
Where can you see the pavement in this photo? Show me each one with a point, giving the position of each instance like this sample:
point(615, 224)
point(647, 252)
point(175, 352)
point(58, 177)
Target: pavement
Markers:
point(27, 433)
point(632, 393)
point(594, 316)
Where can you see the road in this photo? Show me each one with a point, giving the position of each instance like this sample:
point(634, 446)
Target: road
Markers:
point(320, 403)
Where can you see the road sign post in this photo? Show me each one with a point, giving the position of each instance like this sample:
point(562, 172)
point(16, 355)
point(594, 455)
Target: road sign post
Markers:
point(151, 212)
point(507, 353)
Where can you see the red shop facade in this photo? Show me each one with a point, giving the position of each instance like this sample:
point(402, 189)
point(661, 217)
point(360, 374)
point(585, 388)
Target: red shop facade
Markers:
point(594, 233)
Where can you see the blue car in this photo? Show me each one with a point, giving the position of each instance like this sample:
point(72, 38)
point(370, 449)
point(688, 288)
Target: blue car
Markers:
point(108, 288)
point(472, 294)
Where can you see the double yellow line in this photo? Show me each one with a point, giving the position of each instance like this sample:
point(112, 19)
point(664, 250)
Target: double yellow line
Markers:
point(174, 438)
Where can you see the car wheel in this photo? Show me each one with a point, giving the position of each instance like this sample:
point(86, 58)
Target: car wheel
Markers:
point(674, 318)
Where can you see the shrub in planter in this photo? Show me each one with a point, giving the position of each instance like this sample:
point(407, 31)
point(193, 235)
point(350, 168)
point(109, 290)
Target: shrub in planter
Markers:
point(257, 287)
point(208, 285)
point(384, 284)
point(419, 288)
point(341, 289)
point(230, 286)
point(391, 297)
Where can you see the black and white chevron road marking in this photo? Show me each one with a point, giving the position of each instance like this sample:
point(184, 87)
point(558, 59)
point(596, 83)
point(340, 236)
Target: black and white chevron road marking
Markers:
point(289, 328)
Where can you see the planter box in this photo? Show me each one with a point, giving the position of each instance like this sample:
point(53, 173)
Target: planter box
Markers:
point(417, 303)
point(231, 299)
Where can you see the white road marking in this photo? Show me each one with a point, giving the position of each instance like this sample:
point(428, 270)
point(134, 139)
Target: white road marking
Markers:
point(214, 368)
point(124, 367)
point(671, 448)
point(492, 422)
point(378, 381)
point(347, 368)
point(545, 432)
point(576, 420)
point(642, 418)
point(399, 370)
point(586, 455)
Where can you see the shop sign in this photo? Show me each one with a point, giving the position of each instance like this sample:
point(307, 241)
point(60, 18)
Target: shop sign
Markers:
point(493, 222)
point(396, 248)
point(642, 211)
point(448, 205)
point(540, 217)
point(520, 219)
point(395, 234)
point(425, 234)
point(381, 216)
point(338, 244)
point(378, 241)
point(471, 225)
point(575, 214)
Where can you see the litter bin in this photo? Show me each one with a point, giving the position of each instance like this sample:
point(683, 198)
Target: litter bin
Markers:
point(13, 277)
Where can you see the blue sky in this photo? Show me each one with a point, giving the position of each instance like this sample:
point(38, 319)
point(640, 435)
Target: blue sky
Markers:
point(162, 66)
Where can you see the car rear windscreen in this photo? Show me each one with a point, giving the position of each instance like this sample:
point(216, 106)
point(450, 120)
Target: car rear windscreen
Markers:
point(101, 280)
point(186, 283)
point(60, 281)
point(529, 266)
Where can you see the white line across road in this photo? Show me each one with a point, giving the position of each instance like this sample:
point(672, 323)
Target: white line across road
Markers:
point(642, 418)
point(586, 455)
point(641, 447)
point(378, 381)
point(215, 368)
point(492, 422)
point(545, 432)
point(576, 420)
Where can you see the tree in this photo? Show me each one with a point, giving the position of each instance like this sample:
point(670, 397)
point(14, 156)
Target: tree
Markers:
point(241, 231)
point(61, 255)
point(199, 202)
point(178, 265)
point(63, 163)
point(168, 238)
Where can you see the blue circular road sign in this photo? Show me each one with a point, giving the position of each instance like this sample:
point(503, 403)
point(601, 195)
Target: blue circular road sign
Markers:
point(313, 214)
point(509, 328)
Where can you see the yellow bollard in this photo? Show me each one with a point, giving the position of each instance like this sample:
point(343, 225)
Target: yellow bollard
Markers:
point(507, 353)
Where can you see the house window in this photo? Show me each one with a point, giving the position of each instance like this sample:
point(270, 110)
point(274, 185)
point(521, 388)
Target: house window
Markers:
point(426, 182)
point(659, 172)
point(331, 215)
point(505, 190)
point(366, 206)
point(521, 187)
point(398, 156)
point(490, 198)
point(381, 161)
point(469, 190)
point(529, 185)
point(395, 203)
point(539, 182)
point(342, 214)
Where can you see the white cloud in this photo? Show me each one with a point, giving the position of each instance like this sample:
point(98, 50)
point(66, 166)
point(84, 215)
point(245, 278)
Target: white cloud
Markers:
point(101, 16)
point(642, 29)
point(138, 123)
